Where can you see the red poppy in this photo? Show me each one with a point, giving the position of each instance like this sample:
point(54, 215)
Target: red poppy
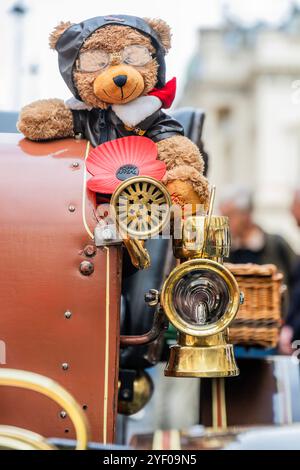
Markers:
point(115, 161)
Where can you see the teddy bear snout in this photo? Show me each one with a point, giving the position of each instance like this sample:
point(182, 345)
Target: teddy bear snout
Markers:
point(120, 80)
point(119, 84)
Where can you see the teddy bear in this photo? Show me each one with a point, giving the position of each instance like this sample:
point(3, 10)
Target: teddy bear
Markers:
point(114, 67)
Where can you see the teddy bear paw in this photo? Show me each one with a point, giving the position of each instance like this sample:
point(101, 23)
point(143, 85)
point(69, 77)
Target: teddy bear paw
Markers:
point(46, 119)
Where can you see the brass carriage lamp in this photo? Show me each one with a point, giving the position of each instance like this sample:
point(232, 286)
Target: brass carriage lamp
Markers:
point(201, 298)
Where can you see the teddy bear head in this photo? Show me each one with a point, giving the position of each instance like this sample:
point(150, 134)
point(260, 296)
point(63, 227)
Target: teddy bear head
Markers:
point(112, 60)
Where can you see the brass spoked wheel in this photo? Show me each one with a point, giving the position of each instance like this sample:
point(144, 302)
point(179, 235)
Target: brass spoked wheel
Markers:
point(142, 207)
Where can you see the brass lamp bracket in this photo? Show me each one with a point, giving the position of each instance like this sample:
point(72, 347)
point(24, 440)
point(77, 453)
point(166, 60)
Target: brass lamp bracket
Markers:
point(160, 324)
point(106, 235)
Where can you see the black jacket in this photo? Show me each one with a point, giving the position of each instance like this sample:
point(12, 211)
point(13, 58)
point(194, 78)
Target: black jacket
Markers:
point(293, 318)
point(99, 126)
point(275, 250)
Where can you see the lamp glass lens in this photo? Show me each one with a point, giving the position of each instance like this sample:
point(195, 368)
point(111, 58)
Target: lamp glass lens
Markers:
point(201, 297)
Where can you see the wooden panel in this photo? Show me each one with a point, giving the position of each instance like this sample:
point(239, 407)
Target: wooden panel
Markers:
point(41, 246)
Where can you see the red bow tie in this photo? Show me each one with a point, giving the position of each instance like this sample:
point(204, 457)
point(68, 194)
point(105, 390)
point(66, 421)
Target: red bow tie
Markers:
point(165, 94)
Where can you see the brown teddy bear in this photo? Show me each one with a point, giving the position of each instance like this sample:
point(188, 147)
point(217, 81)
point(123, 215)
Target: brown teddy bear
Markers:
point(115, 69)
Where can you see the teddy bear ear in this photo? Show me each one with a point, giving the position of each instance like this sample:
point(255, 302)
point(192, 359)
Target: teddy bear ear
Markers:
point(57, 32)
point(162, 29)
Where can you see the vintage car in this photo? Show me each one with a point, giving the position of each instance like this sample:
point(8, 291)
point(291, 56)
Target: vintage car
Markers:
point(80, 323)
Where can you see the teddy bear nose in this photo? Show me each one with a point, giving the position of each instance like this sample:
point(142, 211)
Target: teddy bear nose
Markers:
point(120, 80)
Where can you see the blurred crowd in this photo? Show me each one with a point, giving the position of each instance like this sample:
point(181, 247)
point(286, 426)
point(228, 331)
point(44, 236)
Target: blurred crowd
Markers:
point(251, 244)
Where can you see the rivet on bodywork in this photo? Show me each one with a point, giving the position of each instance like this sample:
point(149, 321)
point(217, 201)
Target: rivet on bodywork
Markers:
point(63, 414)
point(65, 366)
point(71, 208)
point(90, 250)
point(68, 314)
point(86, 268)
point(75, 165)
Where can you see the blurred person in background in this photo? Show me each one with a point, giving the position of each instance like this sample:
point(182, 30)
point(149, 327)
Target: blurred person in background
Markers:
point(291, 329)
point(250, 243)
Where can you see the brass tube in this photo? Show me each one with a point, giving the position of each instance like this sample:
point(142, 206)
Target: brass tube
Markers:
point(21, 439)
point(51, 389)
point(159, 324)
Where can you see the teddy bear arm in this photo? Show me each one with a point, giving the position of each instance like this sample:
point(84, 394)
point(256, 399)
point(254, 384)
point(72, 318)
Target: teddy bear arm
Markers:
point(46, 120)
point(184, 177)
point(179, 150)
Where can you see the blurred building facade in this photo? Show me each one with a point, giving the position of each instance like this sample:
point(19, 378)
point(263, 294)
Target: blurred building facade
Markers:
point(248, 82)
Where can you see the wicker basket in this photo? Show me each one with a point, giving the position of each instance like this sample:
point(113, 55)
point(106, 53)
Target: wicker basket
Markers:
point(259, 319)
